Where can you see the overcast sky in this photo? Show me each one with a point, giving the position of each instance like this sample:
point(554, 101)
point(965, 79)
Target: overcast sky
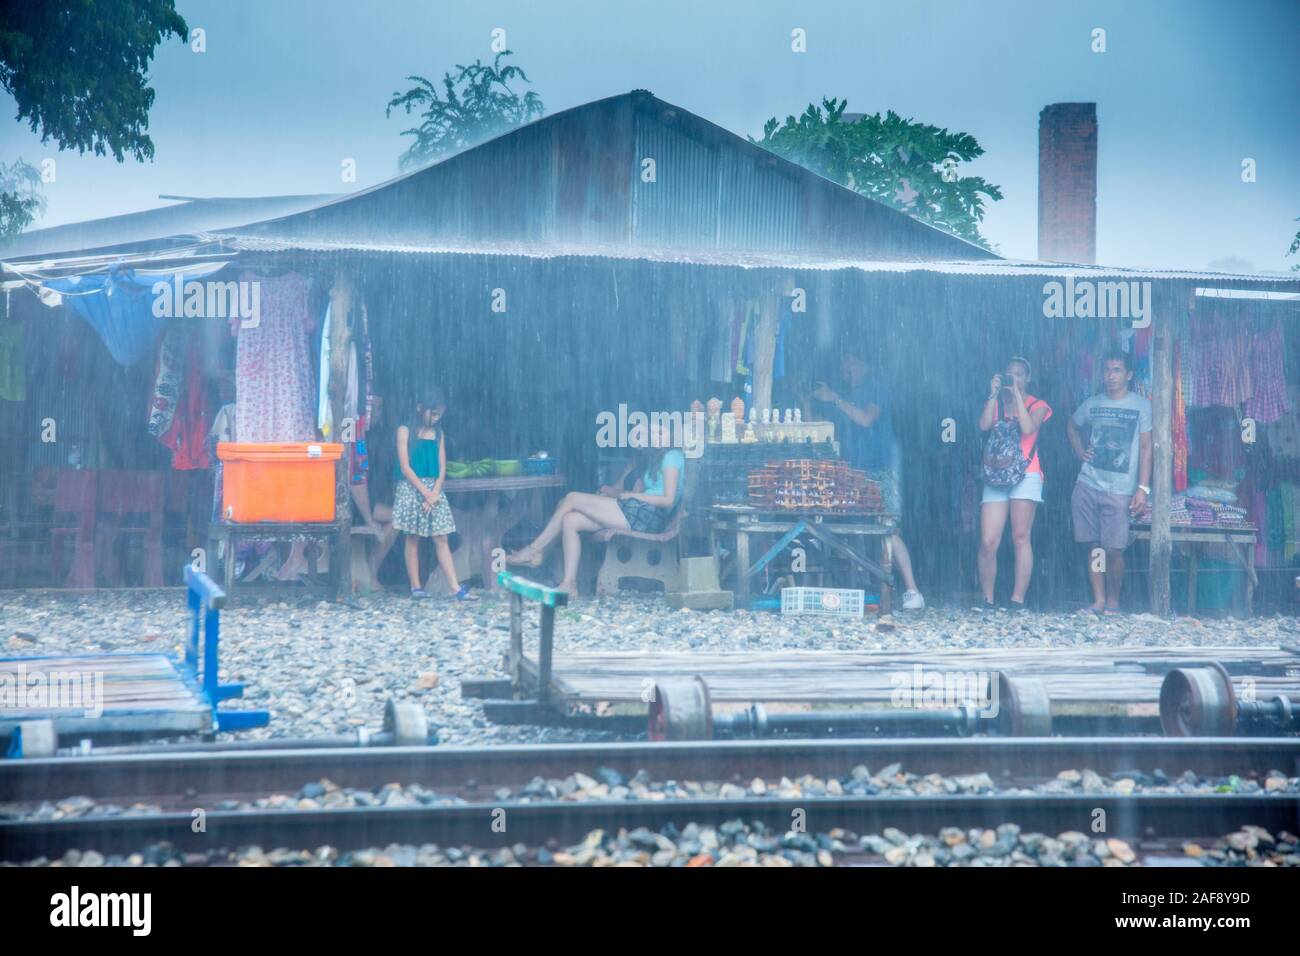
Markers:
point(1185, 92)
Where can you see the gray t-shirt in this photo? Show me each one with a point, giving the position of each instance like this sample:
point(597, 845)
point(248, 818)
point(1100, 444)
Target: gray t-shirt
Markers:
point(1115, 427)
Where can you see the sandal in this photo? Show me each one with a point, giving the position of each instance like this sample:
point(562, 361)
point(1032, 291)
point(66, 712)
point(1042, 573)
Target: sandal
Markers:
point(464, 594)
point(418, 594)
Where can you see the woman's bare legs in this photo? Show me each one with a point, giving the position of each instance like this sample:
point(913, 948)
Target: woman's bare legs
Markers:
point(445, 561)
point(574, 525)
point(411, 552)
point(993, 519)
point(604, 511)
point(1022, 522)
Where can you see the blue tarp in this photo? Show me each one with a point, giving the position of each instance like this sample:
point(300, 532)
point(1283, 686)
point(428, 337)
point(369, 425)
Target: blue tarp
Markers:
point(119, 305)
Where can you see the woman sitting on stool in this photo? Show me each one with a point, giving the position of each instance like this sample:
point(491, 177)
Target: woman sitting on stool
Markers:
point(647, 508)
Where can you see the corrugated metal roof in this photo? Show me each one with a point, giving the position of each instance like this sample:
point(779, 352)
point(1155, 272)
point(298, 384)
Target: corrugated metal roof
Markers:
point(578, 176)
point(183, 218)
point(754, 260)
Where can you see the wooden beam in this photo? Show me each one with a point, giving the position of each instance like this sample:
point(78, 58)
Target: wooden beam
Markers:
point(1162, 452)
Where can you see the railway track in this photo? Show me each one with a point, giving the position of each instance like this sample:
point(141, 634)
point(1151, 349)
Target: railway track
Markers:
point(179, 782)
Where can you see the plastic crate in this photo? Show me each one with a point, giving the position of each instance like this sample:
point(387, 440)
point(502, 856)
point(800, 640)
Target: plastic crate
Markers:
point(831, 602)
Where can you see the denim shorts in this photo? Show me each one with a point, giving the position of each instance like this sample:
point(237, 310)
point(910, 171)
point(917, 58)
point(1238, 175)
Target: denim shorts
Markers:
point(642, 517)
point(1030, 488)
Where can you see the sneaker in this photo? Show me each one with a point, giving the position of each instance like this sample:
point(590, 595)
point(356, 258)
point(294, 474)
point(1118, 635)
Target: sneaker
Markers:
point(418, 594)
point(912, 601)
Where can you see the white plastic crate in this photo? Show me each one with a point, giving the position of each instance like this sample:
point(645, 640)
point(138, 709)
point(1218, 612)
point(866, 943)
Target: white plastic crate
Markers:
point(834, 602)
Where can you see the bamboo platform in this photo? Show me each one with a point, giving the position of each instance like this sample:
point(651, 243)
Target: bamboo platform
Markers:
point(102, 694)
point(1081, 681)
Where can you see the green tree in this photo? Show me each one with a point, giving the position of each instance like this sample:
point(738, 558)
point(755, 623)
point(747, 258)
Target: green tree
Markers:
point(1295, 247)
point(76, 68)
point(21, 200)
point(901, 163)
point(478, 104)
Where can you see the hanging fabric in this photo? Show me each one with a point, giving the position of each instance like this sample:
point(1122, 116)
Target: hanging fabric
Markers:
point(1268, 400)
point(1179, 426)
point(324, 413)
point(273, 365)
point(187, 436)
point(121, 305)
point(167, 382)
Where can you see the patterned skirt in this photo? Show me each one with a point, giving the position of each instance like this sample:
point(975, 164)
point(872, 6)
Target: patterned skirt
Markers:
point(410, 517)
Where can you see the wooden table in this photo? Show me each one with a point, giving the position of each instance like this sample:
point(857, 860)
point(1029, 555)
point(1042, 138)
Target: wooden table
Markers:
point(484, 510)
point(1240, 539)
point(742, 521)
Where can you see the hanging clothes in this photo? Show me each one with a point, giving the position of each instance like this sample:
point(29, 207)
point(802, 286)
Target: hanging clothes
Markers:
point(1283, 435)
point(1268, 401)
point(324, 414)
point(273, 365)
point(187, 436)
point(167, 381)
point(1223, 361)
point(1186, 356)
point(1179, 426)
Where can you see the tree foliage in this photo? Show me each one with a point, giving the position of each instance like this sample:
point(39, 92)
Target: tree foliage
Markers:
point(1295, 247)
point(76, 68)
point(893, 160)
point(21, 200)
point(471, 107)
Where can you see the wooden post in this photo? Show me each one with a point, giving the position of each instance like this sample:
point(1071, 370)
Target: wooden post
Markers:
point(341, 300)
point(1162, 454)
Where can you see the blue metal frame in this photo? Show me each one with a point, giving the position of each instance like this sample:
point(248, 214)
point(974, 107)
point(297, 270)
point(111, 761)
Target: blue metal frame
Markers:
point(206, 600)
point(798, 529)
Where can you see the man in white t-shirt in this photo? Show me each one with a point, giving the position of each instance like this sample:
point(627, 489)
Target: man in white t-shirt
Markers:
point(1115, 480)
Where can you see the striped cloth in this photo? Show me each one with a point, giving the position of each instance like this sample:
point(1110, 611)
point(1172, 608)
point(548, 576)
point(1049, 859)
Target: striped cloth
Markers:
point(1268, 401)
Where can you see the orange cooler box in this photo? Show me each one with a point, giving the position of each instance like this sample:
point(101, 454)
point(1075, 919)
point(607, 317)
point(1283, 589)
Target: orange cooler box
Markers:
point(290, 481)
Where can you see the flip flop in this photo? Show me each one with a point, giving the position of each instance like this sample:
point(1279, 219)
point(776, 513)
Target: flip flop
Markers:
point(1112, 612)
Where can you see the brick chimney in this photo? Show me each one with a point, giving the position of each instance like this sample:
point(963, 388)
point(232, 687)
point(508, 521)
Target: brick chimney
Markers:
point(1067, 183)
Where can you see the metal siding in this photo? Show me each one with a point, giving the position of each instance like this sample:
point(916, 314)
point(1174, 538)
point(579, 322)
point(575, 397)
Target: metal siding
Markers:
point(761, 208)
point(680, 208)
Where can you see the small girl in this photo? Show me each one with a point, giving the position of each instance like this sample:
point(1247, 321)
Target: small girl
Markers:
point(419, 508)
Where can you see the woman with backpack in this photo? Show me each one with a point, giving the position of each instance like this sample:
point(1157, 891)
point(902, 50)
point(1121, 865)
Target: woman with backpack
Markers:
point(1013, 476)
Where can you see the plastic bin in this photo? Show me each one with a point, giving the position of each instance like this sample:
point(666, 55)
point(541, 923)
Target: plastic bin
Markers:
point(290, 482)
point(833, 602)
